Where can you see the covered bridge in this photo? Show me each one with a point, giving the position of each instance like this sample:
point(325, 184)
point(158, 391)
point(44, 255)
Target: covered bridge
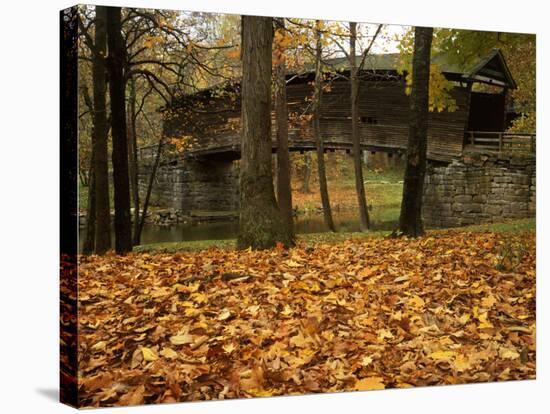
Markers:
point(210, 118)
point(204, 177)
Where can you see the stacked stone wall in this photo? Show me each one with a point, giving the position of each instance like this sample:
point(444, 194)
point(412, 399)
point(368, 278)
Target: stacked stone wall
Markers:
point(195, 185)
point(479, 188)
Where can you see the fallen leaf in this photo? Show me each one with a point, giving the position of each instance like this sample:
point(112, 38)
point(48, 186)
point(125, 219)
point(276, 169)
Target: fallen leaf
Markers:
point(134, 397)
point(100, 346)
point(366, 360)
point(369, 383)
point(416, 301)
point(148, 354)
point(507, 353)
point(442, 355)
point(182, 339)
point(461, 363)
point(168, 353)
point(225, 314)
point(488, 302)
point(228, 348)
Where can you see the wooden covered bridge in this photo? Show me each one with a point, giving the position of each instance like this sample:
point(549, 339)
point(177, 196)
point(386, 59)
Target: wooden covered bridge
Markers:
point(209, 122)
point(210, 118)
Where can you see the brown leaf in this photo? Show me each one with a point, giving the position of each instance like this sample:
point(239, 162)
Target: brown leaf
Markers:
point(134, 397)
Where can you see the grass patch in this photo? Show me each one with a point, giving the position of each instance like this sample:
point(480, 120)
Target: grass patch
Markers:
point(512, 226)
point(306, 239)
point(194, 245)
point(509, 226)
point(383, 188)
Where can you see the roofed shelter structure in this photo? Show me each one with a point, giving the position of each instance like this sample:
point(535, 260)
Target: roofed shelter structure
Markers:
point(203, 177)
point(210, 118)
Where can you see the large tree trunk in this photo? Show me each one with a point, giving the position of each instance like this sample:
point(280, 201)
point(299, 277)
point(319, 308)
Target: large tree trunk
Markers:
point(117, 85)
point(317, 96)
point(261, 225)
point(284, 190)
point(359, 185)
point(133, 160)
point(88, 246)
point(410, 220)
point(101, 134)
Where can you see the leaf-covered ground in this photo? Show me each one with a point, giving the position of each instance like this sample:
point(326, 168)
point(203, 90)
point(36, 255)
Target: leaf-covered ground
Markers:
point(360, 314)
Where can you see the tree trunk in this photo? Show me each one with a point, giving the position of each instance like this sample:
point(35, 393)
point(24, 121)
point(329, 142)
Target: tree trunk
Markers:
point(133, 160)
point(284, 190)
point(101, 134)
point(149, 189)
point(89, 242)
point(359, 185)
point(317, 96)
point(117, 86)
point(410, 220)
point(307, 173)
point(261, 225)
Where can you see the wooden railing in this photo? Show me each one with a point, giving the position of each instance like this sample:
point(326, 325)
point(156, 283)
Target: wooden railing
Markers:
point(502, 141)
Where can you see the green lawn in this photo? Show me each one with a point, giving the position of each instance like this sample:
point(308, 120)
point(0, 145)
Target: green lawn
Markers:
point(514, 226)
point(509, 226)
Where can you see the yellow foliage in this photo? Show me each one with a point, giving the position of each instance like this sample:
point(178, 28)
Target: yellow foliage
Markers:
point(370, 383)
point(440, 88)
point(148, 354)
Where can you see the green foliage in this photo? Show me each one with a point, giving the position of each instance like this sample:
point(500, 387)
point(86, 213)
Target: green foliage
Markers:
point(464, 49)
point(527, 122)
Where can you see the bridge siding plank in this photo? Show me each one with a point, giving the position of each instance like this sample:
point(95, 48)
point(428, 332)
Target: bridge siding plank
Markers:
point(213, 122)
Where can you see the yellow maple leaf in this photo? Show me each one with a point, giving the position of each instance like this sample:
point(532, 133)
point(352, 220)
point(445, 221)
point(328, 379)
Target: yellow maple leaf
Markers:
point(384, 333)
point(368, 272)
point(299, 340)
point(488, 301)
point(287, 311)
point(416, 301)
point(198, 297)
point(442, 355)
point(369, 383)
point(191, 312)
point(260, 392)
point(366, 360)
point(464, 318)
point(148, 354)
point(483, 321)
point(461, 363)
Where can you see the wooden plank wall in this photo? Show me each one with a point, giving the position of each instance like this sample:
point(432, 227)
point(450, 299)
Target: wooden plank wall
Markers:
point(383, 108)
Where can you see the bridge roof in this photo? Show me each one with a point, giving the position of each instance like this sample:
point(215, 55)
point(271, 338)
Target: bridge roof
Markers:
point(386, 62)
point(492, 69)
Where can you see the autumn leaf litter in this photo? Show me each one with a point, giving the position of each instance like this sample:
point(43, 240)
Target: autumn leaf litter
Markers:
point(358, 315)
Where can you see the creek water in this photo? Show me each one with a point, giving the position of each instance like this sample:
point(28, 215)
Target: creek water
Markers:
point(345, 222)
